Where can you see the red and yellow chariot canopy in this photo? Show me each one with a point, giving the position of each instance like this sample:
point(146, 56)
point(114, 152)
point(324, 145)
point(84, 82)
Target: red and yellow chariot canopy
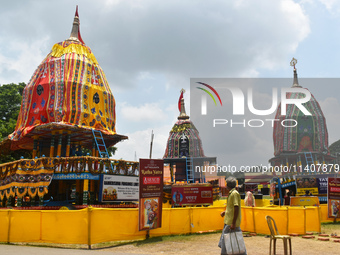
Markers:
point(67, 88)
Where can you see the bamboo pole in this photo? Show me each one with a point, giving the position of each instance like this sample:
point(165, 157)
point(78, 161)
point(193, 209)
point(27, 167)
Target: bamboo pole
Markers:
point(89, 213)
point(60, 141)
point(52, 145)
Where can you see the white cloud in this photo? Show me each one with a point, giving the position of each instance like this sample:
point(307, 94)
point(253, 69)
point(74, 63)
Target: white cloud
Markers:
point(137, 42)
point(139, 144)
point(332, 6)
point(197, 39)
point(179, 39)
point(145, 76)
point(21, 60)
point(150, 112)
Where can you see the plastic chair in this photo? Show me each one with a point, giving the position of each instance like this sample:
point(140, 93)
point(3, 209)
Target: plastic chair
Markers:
point(274, 234)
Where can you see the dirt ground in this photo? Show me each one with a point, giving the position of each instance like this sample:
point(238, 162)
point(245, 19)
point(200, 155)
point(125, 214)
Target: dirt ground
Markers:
point(207, 244)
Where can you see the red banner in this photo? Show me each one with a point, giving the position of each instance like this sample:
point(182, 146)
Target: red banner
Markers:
point(194, 194)
point(333, 197)
point(150, 193)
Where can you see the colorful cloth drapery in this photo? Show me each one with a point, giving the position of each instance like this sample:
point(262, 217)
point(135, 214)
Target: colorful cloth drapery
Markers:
point(184, 141)
point(309, 135)
point(70, 88)
point(26, 176)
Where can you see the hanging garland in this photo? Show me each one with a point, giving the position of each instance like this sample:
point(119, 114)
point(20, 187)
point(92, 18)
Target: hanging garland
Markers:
point(122, 166)
point(42, 191)
point(32, 192)
point(3, 172)
point(10, 192)
point(79, 165)
point(95, 169)
point(134, 167)
point(180, 128)
point(110, 166)
point(62, 165)
point(21, 192)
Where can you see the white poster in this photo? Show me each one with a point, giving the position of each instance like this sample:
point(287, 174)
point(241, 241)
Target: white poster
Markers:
point(119, 188)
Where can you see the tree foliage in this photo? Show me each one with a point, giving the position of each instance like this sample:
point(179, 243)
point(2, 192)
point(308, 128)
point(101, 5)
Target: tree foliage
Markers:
point(110, 150)
point(10, 102)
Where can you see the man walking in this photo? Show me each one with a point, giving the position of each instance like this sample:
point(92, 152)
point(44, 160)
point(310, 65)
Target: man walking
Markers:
point(232, 214)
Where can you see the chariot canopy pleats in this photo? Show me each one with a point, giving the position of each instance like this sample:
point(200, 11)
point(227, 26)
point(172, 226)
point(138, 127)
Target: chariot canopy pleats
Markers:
point(184, 139)
point(69, 91)
point(66, 123)
point(184, 149)
point(309, 135)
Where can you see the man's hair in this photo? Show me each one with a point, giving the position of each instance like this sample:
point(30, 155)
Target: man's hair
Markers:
point(231, 182)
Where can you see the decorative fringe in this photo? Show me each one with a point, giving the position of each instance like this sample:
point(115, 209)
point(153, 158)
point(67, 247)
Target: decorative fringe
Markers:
point(10, 192)
point(32, 192)
point(21, 192)
point(42, 191)
point(180, 128)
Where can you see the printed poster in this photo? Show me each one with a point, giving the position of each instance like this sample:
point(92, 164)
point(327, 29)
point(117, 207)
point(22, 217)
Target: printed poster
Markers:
point(322, 185)
point(333, 197)
point(119, 188)
point(304, 201)
point(150, 193)
point(194, 194)
point(306, 186)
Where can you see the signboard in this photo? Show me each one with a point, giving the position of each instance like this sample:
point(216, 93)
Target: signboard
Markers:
point(304, 201)
point(322, 185)
point(333, 197)
point(192, 194)
point(73, 176)
point(118, 188)
point(150, 193)
point(306, 186)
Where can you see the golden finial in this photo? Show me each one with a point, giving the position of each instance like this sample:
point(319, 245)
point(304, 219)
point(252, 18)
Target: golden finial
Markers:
point(182, 91)
point(295, 82)
point(293, 62)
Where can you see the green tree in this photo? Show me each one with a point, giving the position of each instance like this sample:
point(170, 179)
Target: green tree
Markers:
point(111, 151)
point(10, 102)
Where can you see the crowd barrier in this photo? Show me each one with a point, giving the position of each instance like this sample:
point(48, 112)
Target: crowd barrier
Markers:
point(96, 225)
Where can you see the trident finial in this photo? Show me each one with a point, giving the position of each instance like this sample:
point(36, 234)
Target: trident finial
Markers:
point(295, 82)
point(293, 62)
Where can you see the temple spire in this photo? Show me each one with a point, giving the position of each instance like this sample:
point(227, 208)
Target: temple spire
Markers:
point(293, 62)
point(75, 33)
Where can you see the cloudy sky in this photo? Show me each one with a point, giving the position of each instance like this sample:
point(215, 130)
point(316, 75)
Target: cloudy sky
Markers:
point(150, 49)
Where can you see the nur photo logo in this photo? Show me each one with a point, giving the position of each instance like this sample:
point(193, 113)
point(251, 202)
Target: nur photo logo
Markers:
point(244, 98)
point(204, 98)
